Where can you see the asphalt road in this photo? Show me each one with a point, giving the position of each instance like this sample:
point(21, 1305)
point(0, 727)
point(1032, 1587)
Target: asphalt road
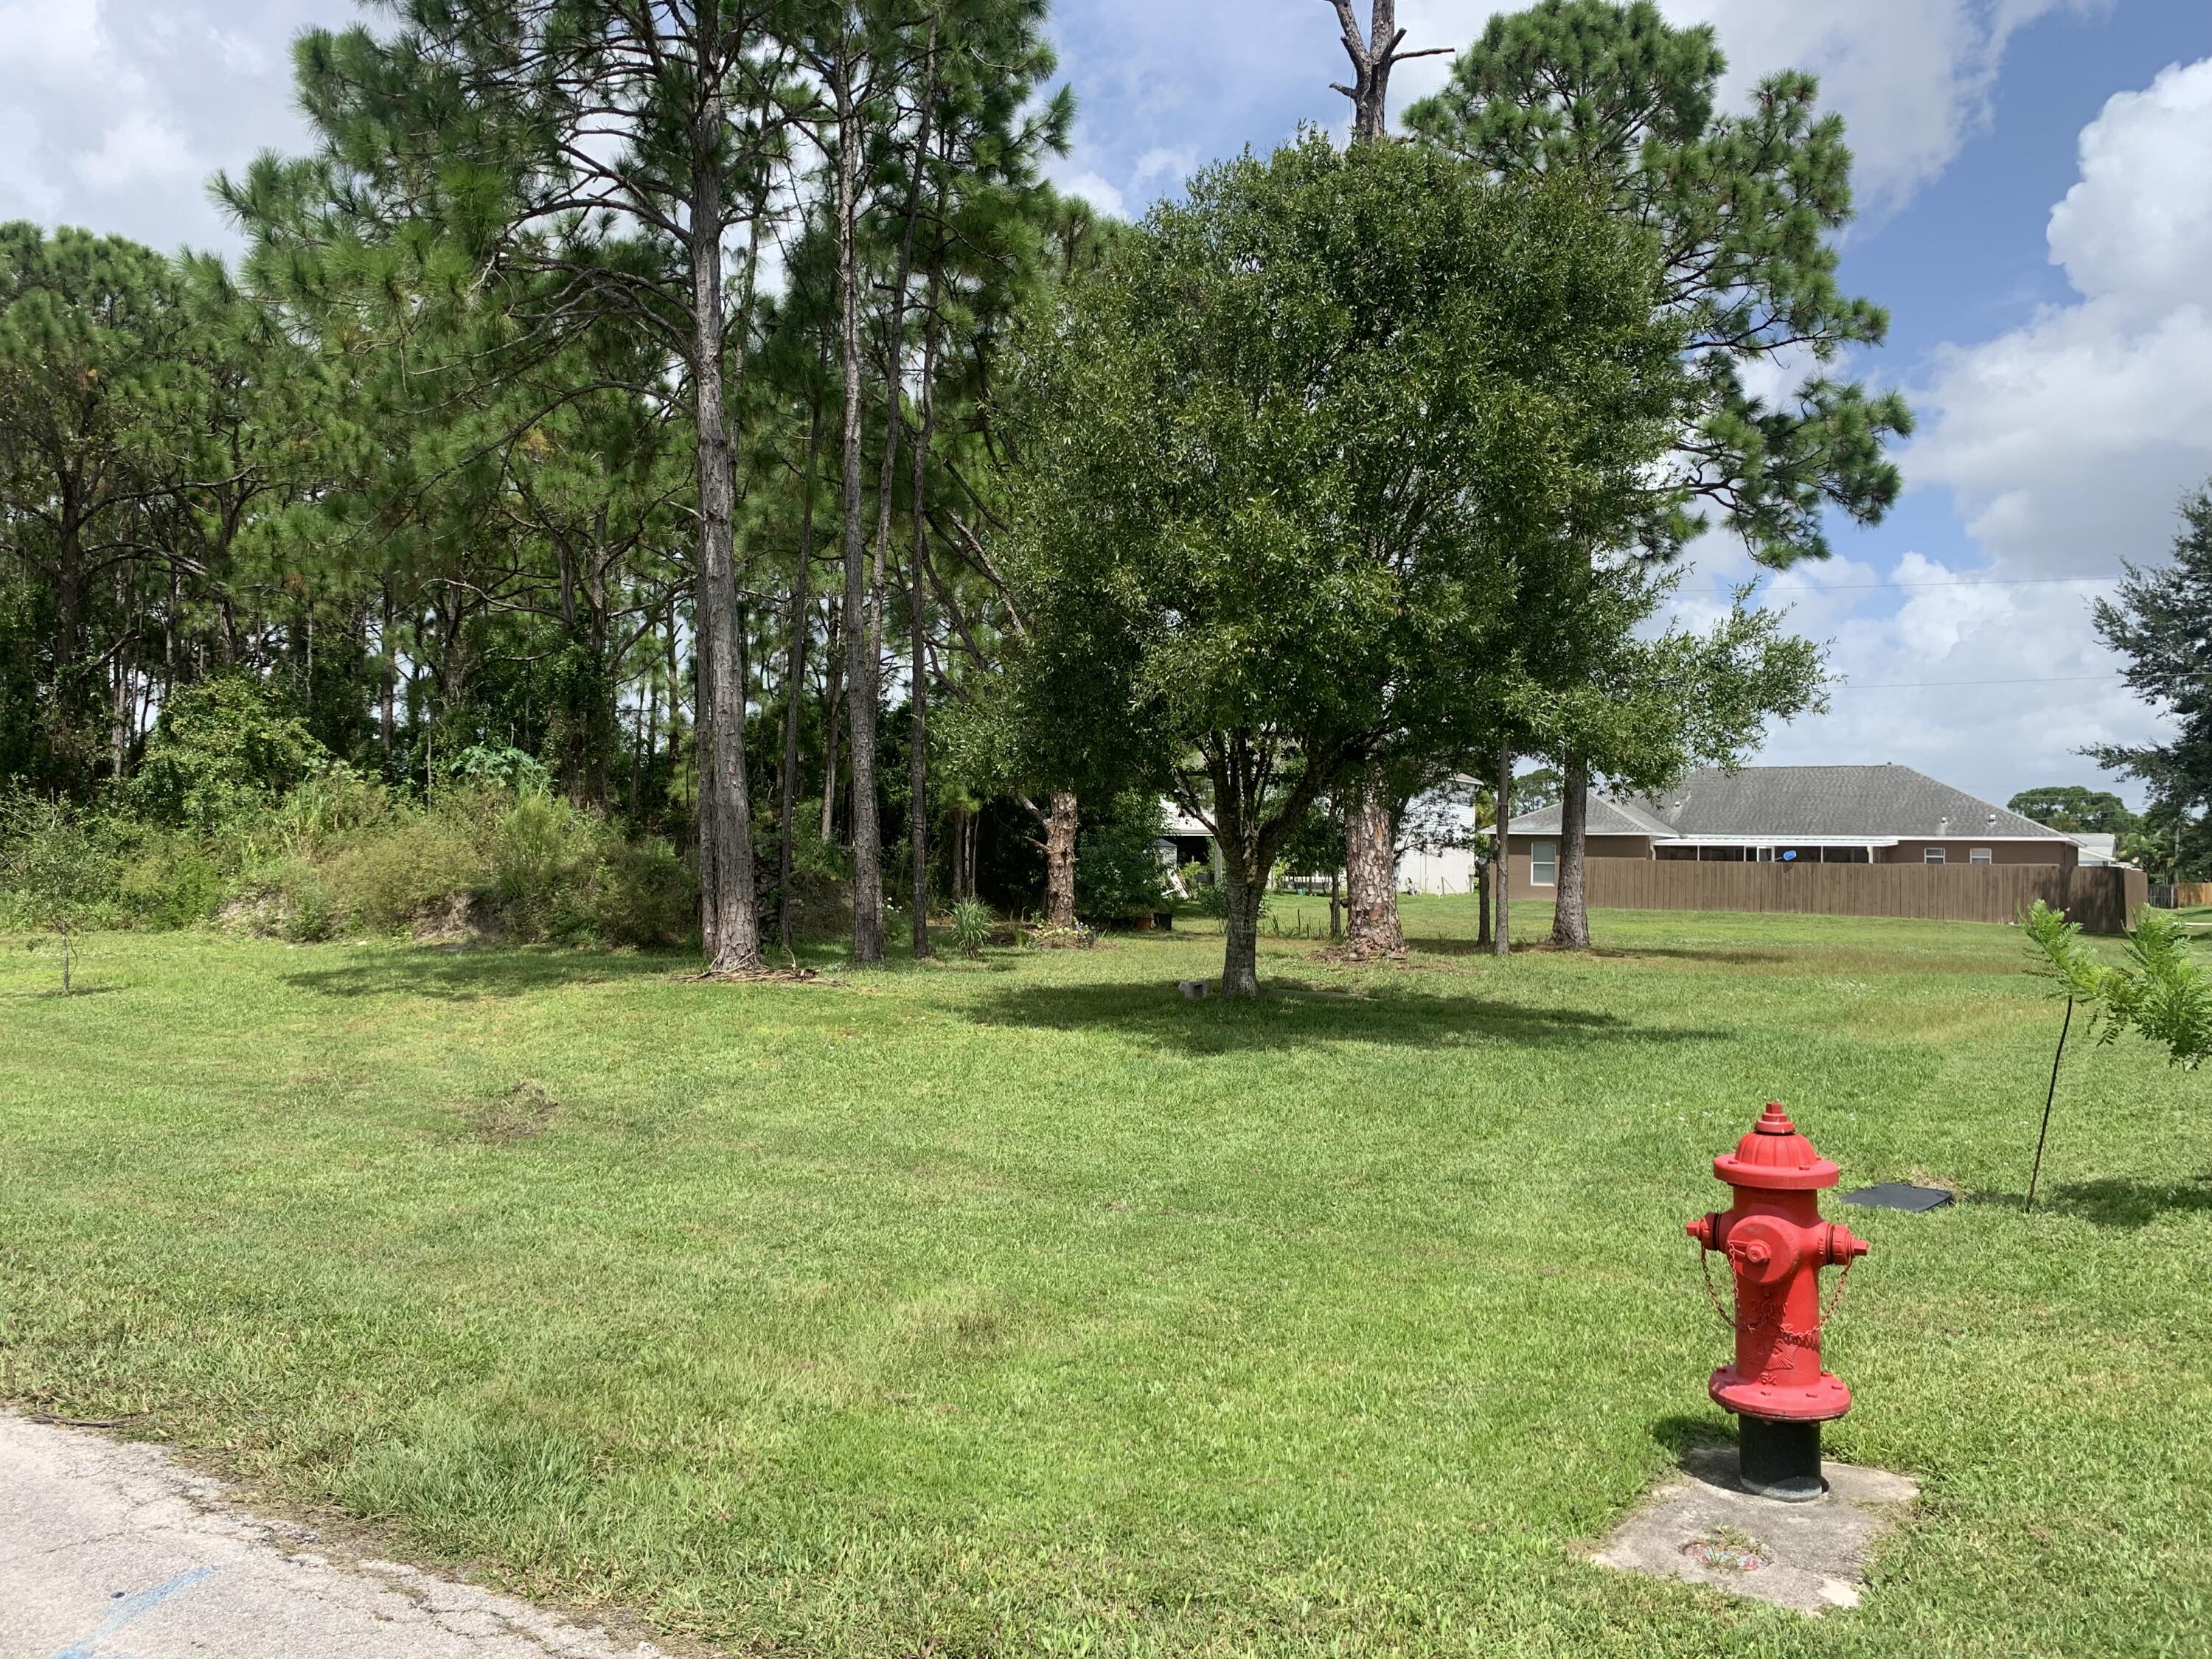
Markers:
point(110, 1551)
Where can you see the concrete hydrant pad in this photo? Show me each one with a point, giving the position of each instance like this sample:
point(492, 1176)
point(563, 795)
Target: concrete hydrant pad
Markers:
point(109, 1549)
point(1701, 1528)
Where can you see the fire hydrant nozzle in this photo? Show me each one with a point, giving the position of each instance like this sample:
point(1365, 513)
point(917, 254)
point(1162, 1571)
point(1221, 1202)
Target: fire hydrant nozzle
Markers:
point(1776, 1243)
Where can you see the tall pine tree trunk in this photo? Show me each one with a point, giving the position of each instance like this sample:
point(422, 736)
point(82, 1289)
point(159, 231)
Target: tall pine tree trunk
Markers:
point(862, 667)
point(387, 676)
point(1570, 914)
point(1060, 823)
point(729, 917)
point(1372, 60)
point(917, 617)
point(794, 682)
point(1371, 871)
point(832, 700)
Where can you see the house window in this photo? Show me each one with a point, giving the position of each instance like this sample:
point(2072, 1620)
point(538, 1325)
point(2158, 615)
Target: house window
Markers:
point(1980, 855)
point(1933, 856)
point(1544, 864)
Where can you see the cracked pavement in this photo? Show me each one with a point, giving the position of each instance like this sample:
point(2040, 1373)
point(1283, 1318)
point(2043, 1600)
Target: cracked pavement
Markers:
point(110, 1550)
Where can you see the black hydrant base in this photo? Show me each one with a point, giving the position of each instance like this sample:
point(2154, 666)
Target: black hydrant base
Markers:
point(1781, 1461)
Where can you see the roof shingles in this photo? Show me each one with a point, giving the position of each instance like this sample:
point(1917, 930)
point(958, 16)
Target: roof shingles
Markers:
point(1777, 802)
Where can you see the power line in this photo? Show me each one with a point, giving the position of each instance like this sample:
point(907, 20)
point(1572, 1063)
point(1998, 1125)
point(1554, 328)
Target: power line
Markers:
point(1928, 685)
point(1973, 581)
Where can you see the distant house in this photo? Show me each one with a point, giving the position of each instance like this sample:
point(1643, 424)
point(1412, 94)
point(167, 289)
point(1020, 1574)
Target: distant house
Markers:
point(1800, 815)
point(2101, 849)
point(1183, 839)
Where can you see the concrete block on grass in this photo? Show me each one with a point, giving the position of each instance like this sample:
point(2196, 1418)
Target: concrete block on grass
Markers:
point(1702, 1527)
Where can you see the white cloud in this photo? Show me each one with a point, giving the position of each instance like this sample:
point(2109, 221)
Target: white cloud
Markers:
point(1165, 165)
point(2138, 227)
point(1091, 188)
point(116, 111)
point(47, 37)
point(2066, 444)
point(2070, 438)
point(138, 149)
point(1912, 78)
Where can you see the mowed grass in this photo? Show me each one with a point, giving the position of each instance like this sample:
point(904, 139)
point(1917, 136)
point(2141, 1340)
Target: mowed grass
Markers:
point(1021, 1307)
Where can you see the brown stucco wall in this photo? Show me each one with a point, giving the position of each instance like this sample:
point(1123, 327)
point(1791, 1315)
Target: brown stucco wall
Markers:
point(1596, 846)
point(2064, 854)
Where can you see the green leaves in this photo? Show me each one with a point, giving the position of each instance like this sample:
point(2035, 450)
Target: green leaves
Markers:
point(2159, 991)
point(2161, 622)
point(224, 751)
point(1743, 208)
point(1288, 450)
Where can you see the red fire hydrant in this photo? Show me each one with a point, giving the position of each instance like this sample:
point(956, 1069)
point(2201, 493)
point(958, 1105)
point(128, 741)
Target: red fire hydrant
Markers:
point(1776, 1241)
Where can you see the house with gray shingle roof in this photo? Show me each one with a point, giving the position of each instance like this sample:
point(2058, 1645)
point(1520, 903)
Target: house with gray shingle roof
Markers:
point(1799, 814)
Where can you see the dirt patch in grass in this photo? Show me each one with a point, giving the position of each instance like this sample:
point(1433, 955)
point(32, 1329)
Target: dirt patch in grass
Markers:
point(523, 1113)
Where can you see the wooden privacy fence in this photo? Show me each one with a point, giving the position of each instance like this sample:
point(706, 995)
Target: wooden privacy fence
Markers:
point(2104, 901)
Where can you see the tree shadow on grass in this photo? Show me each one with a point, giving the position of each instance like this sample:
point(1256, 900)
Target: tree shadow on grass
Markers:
point(2113, 1203)
point(1727, 956)
point(1287, 1015)
point(1732, 955)
point(471, 975)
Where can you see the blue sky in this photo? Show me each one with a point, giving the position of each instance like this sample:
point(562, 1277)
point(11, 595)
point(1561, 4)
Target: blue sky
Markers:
point(2036, 177)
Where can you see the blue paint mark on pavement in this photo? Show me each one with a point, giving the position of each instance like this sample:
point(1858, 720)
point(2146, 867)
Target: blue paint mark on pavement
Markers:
point(131, 1607)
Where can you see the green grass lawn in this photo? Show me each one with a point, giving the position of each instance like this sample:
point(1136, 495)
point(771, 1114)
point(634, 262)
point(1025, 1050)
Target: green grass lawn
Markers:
point(1021, 1307)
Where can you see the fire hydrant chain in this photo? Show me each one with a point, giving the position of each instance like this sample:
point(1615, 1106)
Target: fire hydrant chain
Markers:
point(1712, 1295)
point(1728, 1320)
point(1835, 1296)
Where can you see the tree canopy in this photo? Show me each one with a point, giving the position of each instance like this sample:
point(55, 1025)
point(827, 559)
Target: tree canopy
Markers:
point(2074, 809)
point(1270, 522)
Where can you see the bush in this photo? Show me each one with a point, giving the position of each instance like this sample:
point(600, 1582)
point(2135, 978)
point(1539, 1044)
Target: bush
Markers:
point(971, 926)
point(387, 878)
point(223, 750)
point(58, 875)
point(55, 865)
point(559, 874)
point(645, 895)
point(172, 880)
point(338, 855)
point(500, 768)
point(1118, 875)
point(312, 910)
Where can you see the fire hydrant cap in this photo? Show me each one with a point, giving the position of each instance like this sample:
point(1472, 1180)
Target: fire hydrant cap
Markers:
point(1774, 1156)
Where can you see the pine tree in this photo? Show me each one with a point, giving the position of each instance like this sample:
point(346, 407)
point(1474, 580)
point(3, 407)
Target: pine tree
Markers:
point(2161, 622)
point(1743, 209)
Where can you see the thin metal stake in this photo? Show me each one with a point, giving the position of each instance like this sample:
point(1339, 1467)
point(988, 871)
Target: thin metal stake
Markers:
point(2065, 1026)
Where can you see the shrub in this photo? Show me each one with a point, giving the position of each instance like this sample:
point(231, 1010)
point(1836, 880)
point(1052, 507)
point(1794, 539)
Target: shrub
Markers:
point(172, 881)
point(500, 768)
point(1118, 874)
point(645, 895)
point(384, 879)
point(313, 911)
point(223, 750)
point(540, 854)
point(57, 872)
point(971, 926)
point(338, 855)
